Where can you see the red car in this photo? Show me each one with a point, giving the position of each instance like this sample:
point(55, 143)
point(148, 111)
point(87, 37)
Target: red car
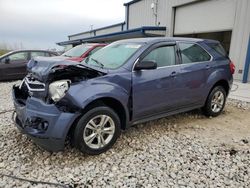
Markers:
point(80, 52)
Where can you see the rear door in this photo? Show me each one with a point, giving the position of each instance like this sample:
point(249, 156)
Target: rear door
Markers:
point(154, 90)
point(195, 64)
point(15, 67)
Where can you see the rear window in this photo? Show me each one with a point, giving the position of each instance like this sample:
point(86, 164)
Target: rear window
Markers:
point(218, 48)
point(191, 53)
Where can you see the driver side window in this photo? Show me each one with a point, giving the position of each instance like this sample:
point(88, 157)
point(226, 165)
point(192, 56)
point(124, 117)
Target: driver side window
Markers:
point(163, 56)
point(18, 56)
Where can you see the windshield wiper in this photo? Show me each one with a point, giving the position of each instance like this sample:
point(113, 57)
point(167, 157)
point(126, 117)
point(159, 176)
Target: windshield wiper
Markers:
point(98, 62)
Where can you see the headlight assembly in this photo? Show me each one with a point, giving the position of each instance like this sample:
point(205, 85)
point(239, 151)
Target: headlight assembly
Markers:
point(58, 89)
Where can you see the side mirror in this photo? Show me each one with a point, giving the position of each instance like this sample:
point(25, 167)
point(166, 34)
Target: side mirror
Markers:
point(145, 65)
point(7, 60)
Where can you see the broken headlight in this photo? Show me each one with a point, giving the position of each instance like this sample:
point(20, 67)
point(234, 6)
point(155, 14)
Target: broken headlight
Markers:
point(58, 89)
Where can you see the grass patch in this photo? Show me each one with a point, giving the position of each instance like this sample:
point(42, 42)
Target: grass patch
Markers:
point(3, 52)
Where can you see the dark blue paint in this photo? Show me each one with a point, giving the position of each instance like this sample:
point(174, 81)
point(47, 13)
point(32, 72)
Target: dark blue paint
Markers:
point(247, 64)
point(54, 138)
point(154, 93)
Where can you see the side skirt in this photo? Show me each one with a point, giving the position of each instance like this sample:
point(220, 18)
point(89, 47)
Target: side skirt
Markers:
point(165, 114)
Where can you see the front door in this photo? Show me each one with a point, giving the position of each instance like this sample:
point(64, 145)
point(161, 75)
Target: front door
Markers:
point(15, 66)
point(154, 90)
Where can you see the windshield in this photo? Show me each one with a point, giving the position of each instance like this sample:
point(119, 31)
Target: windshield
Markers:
point(113, 56)
point(77, 51)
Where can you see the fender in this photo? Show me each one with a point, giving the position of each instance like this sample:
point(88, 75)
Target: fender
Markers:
point(84, 94)
point(217, 75)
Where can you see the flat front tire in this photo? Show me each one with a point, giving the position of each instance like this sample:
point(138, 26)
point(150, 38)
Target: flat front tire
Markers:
point(215, 102)
point(97, 130)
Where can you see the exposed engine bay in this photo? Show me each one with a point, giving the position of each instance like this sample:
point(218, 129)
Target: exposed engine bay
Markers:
point(49, 80)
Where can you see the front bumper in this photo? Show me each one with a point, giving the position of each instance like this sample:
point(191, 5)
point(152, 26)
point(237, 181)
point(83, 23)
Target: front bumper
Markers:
point(43, 123)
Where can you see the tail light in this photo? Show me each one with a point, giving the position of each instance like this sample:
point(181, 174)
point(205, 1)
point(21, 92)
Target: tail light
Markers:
point(232, 67)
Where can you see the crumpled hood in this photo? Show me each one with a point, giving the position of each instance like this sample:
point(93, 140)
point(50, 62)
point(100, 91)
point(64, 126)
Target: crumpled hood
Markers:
point(42, 67)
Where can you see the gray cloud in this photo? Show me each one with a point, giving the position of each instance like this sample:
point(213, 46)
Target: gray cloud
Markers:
point(42, 27)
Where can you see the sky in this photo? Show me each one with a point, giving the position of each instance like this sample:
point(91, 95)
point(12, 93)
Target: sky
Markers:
point(39, 24)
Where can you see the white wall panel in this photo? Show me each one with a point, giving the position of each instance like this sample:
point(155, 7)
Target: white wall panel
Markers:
point(206, 16)
point(97, 32)
point(80, 36)
point(109, 30)
point(240, 37)
point(141, 14)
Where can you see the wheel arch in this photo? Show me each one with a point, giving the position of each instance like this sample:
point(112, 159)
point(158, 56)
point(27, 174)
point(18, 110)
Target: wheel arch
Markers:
point(111, 102)
point(222, 83)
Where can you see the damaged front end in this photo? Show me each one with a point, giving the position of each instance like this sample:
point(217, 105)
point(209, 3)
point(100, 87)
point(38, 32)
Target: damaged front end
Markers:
point(49, 80)
point(41, 109)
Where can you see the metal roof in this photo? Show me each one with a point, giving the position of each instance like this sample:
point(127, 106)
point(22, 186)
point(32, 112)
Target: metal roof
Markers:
point(131, 2)
point(101, 28)
point(127, 34)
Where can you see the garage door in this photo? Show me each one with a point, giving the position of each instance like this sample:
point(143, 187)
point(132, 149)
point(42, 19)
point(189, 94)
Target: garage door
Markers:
point(206, 16)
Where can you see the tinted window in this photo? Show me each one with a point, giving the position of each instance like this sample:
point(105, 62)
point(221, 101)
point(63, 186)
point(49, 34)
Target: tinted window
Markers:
point(163, 56)
point(19, 56)
point(35, 54)
point(191, 53)
point(218, 48)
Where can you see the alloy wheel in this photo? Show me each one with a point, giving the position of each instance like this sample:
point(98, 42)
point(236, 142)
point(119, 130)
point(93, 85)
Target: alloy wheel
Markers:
point(99, 131)
point(217, 101)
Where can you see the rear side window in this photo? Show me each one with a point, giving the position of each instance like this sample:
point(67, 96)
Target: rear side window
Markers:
point(163, 56)
point(35, 54)
point(218, 48)
point(191, 53)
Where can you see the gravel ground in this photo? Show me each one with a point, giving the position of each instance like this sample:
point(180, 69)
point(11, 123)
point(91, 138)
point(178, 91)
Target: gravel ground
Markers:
point(182, 150)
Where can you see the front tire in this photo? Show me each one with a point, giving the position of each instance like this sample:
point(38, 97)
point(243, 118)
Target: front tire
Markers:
point(97, 130)
point(215, 102)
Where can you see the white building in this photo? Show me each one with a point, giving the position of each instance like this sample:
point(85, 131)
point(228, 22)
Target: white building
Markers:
point(225, 20)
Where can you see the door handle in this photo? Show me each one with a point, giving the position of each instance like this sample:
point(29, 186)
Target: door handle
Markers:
point(173, 74)
point(208, 67)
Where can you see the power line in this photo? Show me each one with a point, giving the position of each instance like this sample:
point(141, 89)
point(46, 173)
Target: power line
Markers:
point(34, 182)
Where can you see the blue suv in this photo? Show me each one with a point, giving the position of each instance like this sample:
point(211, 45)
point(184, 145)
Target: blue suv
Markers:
point(125, 83)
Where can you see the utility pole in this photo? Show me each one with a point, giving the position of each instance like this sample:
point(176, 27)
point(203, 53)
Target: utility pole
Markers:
point(154, 7)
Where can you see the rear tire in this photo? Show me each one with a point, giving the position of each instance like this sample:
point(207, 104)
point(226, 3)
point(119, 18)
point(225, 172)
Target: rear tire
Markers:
point(97, 130)
point(215, 102)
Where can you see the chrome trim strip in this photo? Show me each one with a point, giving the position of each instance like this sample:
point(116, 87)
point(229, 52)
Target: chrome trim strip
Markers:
point(27, 82)
point(135, 64)
point(175, 65)
point(20, 86)
point(211, 58)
